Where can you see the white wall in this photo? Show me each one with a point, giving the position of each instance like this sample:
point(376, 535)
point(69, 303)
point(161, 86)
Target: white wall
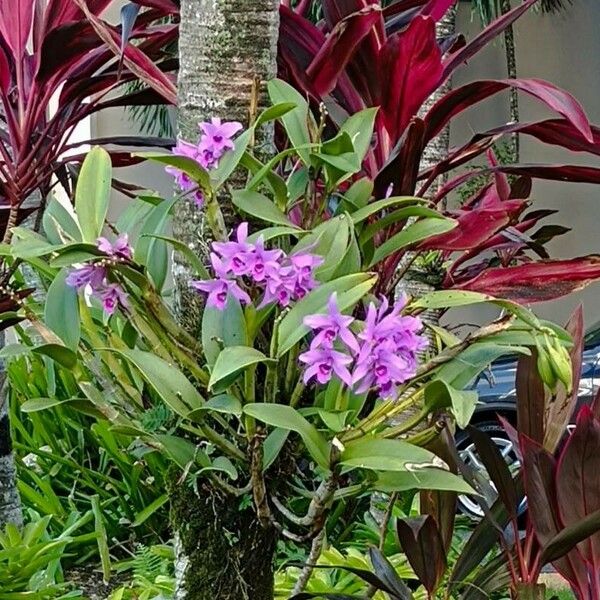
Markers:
point(564, 49)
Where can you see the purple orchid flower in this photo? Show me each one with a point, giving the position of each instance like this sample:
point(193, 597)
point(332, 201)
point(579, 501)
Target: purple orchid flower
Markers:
point(120, 249)
point(113, 296)
point(236, 255)
point(263, 262)
point(332, 326)
point(218, 135)
point(218, 291)
point(322, 363)
point(91, 275)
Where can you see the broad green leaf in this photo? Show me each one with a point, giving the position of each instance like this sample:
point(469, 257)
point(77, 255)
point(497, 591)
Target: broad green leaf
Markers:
point(374, 207)
point(274, 232)
point(272, 446)
point(329, 240)
point(61, 312)
point(37, 404)
point(233, 359)
point(286, 417)
point(231, 159)
point(11, 350)
point(274, 181)
point(57, 220)
point(182, 451)
point(295, 121)
point(258, 205)
point(438, 394)
point(189, 166)
point(274, 112)
point(29, 244)
point(225, 328)
point(384, 455)
point(169, 383)
point(424, 479)
point(350, 289)
point(92, 194)
point(402, 214)
point(60, 354)
point(411, 235)
point(359, 127)
point(184, 250)
point(223, 464)
point(223, 403)
point(462, 370)
point(359, 193)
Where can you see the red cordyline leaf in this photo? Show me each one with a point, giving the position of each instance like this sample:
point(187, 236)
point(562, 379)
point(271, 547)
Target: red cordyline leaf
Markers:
point(339, 47)
point(16, 20)
point(410, 70)
point(577, 481)
point(537, 282)
point(59, 12)
point(135, 60)
point(459, 99)
point(475, 226)
point(436, 9)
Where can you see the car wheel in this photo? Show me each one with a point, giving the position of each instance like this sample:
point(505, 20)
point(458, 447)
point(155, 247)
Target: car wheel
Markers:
point(468, 453)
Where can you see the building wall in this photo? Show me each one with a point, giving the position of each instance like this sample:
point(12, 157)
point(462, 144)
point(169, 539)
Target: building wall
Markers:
point(564, 49)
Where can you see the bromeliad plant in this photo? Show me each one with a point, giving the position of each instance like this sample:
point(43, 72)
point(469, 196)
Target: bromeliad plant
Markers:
point(296, 363)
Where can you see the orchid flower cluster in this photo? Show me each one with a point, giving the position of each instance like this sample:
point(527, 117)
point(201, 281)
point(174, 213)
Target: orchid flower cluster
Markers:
point(94, 275)
point(283, 278)
point(216, 138)
point(382, 355)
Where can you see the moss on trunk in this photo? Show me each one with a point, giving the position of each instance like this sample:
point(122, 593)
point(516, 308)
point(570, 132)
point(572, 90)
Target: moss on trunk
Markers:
point(229, 556)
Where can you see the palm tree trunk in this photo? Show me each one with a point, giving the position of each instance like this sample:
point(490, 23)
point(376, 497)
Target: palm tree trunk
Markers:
point(511, 68)
point(225, 46)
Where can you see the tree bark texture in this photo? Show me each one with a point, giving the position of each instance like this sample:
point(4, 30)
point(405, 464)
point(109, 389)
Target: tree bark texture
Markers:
point(511, 70)
point(222, 551)
point(10, 501)
point(224, 45)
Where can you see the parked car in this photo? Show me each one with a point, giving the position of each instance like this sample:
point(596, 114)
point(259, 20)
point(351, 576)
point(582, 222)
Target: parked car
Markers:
point(497, 396)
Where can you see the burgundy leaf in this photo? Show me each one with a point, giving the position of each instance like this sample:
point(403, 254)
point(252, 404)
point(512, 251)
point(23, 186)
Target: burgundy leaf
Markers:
point(5, 73)
point(577, 481)
point(436, 9)
point(571, 173)
point(16, 20)
point(559, 409)
point(459, 99)
point(537, 282)
point(339, 47)
point(475, 226)
point(410, 70)
point(422, 543)
point(59, 12)
point(166, 6)
point(485, 37)
point(135, 60)
point(531, 398)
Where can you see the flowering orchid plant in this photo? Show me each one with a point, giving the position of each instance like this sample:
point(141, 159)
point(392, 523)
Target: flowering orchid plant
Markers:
point(296, 359)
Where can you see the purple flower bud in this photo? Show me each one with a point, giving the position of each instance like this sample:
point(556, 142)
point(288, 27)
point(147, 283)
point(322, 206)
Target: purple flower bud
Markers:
point(112, 297)
point(120, 249)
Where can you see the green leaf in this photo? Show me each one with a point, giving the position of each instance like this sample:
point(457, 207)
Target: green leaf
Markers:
point(185, 251)
point(274, 181)
point(223, 403)
point(438, 394)
point(424, 479)
point(223, 464)
point(374, 207)
point(270, 233)
point(169, 383)
point(189, 166)
point(384, 455)
point(143, 515)
point(411, 235)
point(359, 127)
point(29, 244)
point(61, 312)
point(92, 195)
point(231, 159)
point(295, 122)
point(63, 356)
point(402, 214)
point(182, 451)
point(329, 240)
point(58, 221)
point(272, 446)
point(359, 193)
point(259, 206)
point(274, 112)
point(37, 404)
point(225, 328)
point(286, 417)
point(350, 289)
point(233, 359)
